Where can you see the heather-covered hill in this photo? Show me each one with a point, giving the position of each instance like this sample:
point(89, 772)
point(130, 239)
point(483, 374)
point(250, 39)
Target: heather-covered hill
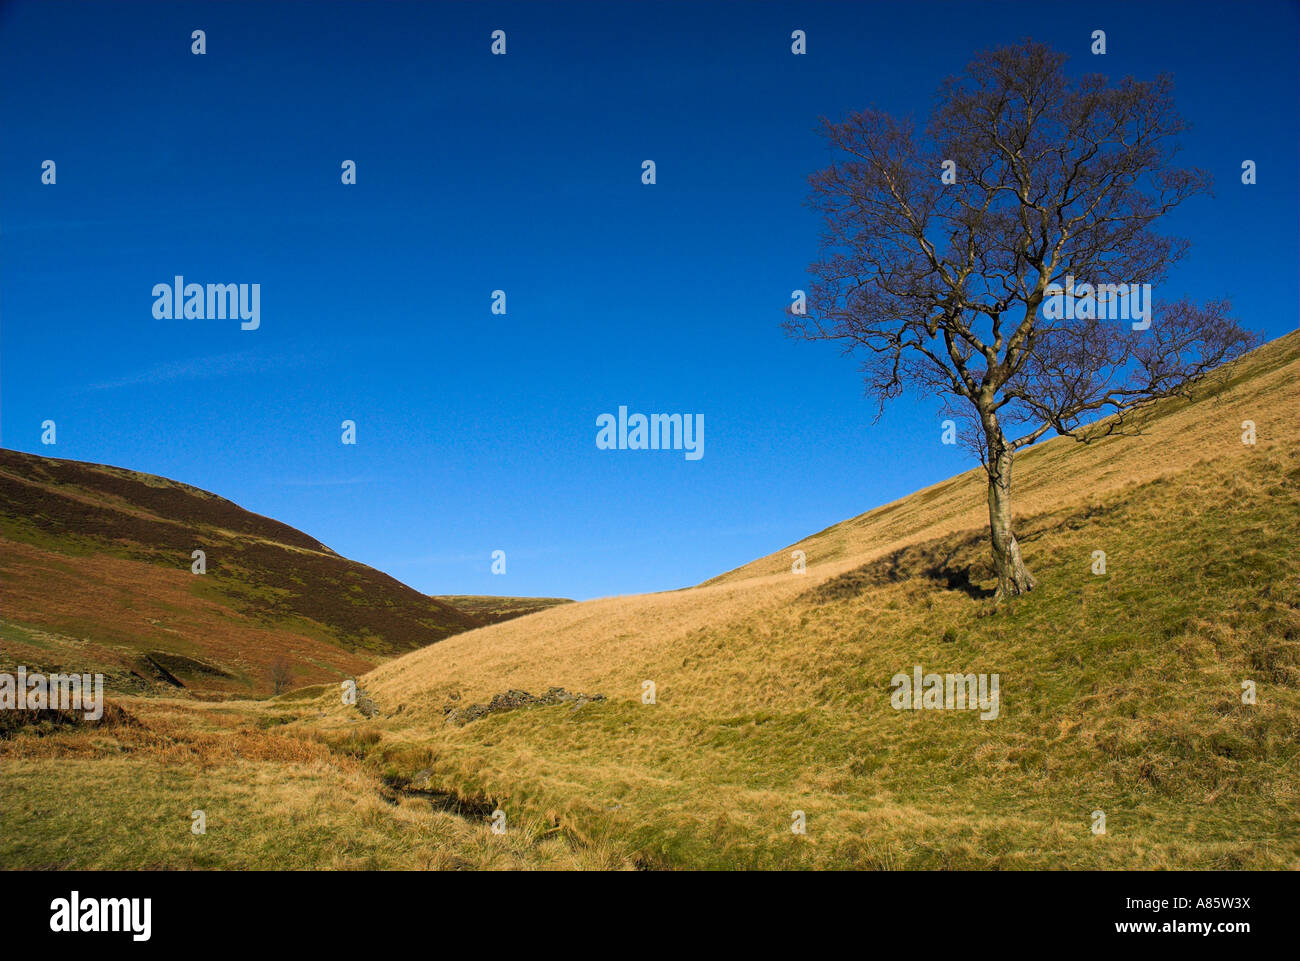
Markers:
point(96, 573)
point(1121, 692)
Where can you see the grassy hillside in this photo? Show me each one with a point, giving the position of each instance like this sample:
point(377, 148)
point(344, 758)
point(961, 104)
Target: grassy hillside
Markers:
point(492, 610)
point(95, 570)
point(1120, 692)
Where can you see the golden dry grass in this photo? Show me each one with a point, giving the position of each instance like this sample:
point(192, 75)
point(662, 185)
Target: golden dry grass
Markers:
point(1120, 693)
point(613, 643)
point(284, 797)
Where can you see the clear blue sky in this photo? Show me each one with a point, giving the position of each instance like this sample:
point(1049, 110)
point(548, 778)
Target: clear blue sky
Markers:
point(477, 432)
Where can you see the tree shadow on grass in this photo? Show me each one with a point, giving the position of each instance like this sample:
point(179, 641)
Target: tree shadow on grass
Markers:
point(951, 563)
point(955, 562)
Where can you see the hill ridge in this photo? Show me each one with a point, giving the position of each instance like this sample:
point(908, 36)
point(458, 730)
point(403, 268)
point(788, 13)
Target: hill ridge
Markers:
point(1166, 566)
point(91, 553)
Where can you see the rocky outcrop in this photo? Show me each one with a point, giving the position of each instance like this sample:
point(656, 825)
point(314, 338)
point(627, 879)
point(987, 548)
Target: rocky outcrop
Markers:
point(458, 716)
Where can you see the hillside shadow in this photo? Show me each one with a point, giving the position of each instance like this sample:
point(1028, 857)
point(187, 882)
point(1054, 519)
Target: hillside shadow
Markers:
point(956, 562)
point(957, 578)
point(950, 563)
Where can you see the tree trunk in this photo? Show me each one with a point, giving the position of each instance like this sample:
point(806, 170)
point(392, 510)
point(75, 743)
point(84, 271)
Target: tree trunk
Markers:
point(1014, 578)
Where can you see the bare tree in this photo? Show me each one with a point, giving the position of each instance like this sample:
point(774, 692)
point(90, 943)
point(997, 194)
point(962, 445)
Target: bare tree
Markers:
point(958, 287)
point(281, 674)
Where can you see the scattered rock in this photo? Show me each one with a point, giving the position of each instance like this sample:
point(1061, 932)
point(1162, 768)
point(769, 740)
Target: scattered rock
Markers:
point(42, 721)
point(420, 780)
point(513, 700)
point(366, 705)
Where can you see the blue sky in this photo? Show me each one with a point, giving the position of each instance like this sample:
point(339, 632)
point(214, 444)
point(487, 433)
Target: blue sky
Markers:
point(476, 432)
